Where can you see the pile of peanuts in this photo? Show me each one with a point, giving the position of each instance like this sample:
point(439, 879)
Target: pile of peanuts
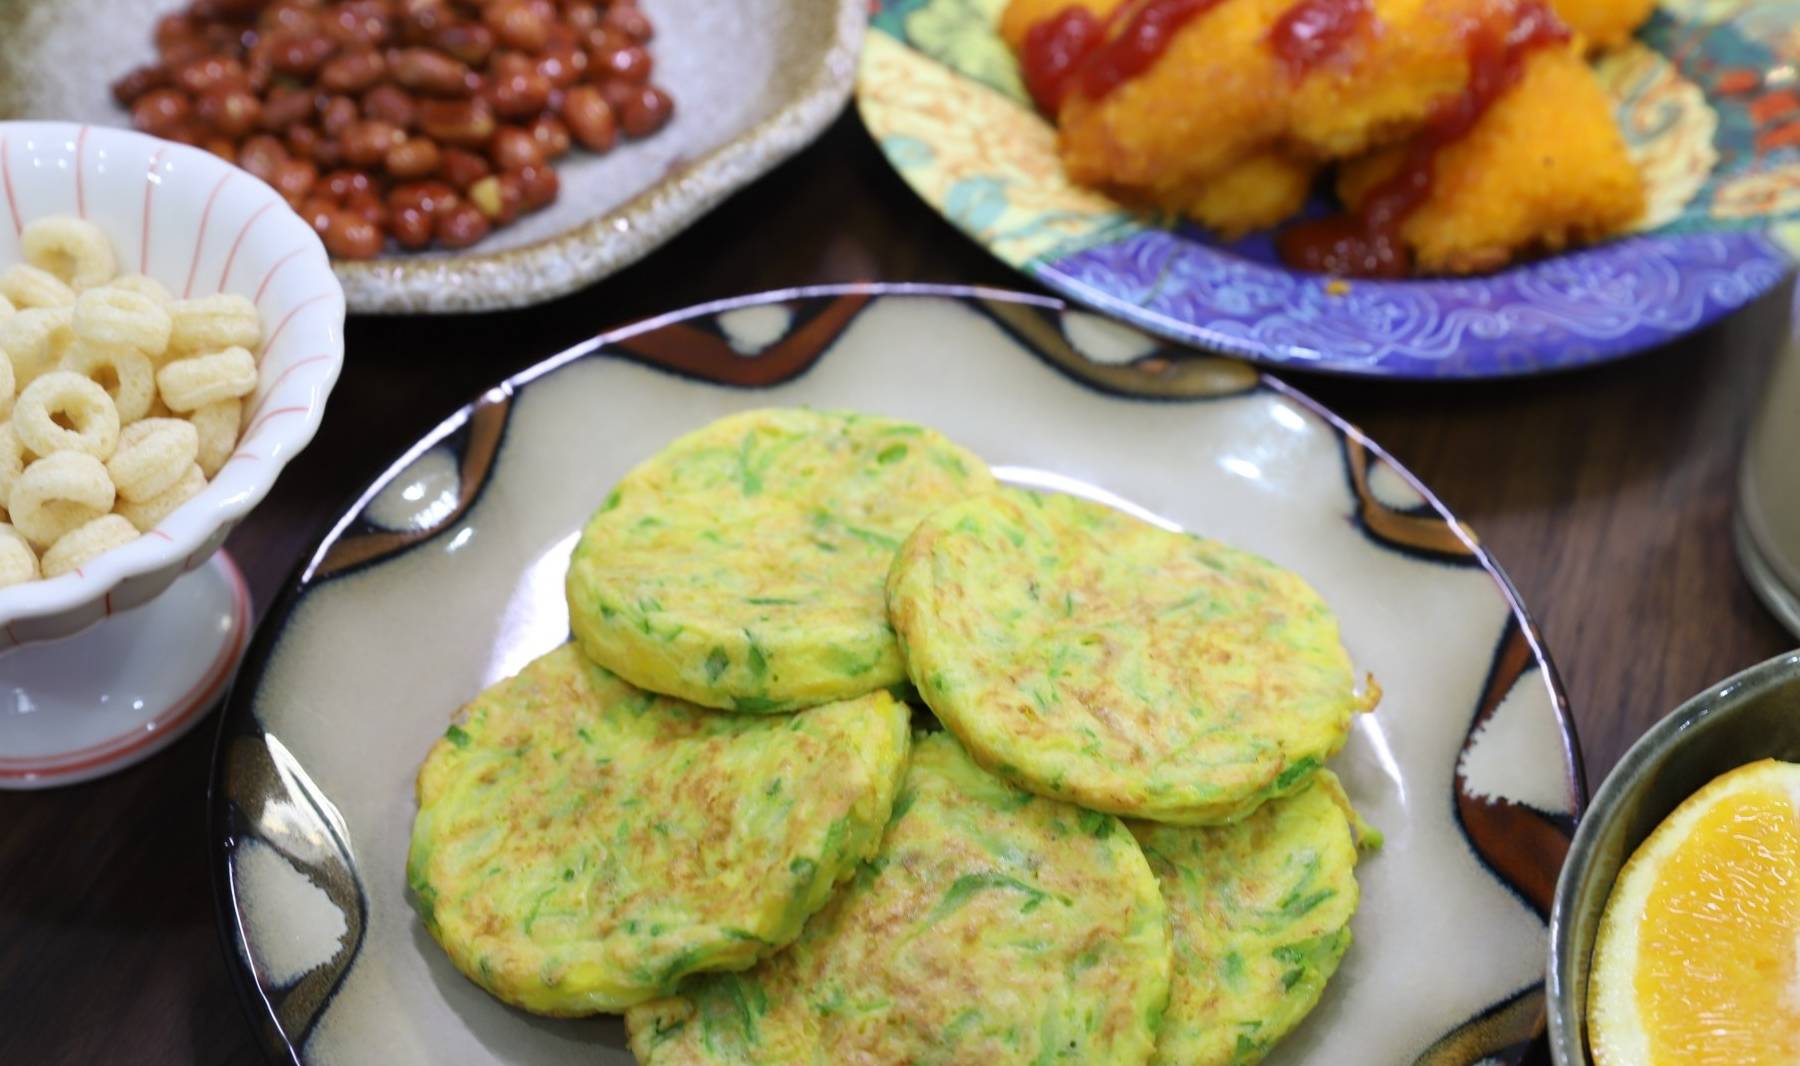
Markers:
point(117, 402)
point(420, 120)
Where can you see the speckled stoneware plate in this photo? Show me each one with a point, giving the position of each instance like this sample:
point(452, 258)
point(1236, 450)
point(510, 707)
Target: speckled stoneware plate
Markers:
point(1705, 97)
point(447, 575)
point(753, 82)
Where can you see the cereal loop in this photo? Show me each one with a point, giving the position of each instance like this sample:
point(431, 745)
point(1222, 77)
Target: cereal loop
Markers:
point(27, 339)
point(145, 514)
point(214, 323)
point(217, 424)
point(80, 545)
point(58, 494)
point(72, 249)
point(152, 456)
point(18, 563)
point(89, 423)
point(194, 382)
point(126, 374)
point(113, 316)
point(62, 334)
point(143, 285)
point(27, 287)
point(7, 386)
point(13, 458)
point(6, 307)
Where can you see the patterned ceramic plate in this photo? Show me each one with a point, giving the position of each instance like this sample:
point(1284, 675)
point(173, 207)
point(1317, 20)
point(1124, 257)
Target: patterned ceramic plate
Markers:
point(447, 575)
point(1707, 99)
point(754, 81)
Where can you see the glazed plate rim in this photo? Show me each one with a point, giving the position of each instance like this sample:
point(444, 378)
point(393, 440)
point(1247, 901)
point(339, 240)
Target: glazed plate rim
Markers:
point(239, 719)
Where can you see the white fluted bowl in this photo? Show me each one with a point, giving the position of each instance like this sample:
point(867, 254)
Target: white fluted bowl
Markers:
point(199, 226)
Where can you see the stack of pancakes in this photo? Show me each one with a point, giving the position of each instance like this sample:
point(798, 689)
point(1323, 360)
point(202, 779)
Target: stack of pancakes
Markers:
point(717, 812)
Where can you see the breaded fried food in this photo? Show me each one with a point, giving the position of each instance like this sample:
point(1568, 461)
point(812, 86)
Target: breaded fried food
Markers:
point(741, 567)
point(1257, 193)
point(581, 845)
point(993, 927)
point(1603, 24)
point(1260, 914)
point(1219, 119)
point(1544, 168)
point(1087, 655)
point(1257, 190)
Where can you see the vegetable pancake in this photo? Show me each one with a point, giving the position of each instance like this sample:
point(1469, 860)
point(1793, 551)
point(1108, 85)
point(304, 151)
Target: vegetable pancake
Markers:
point(993, 927)
point(1260, 911)
point(582, 844)
point(1091, 656)
point(742, 566)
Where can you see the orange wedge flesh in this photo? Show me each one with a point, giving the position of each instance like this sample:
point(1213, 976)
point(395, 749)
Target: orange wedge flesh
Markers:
point(1712, 971)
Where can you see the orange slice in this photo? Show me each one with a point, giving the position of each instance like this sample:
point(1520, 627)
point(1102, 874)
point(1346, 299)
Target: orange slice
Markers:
point(1698, 957)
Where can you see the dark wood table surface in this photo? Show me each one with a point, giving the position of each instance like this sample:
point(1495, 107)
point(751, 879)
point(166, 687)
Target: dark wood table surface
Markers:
point(1605, 493)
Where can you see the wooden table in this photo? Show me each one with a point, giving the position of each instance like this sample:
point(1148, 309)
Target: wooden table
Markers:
point(1606, 494)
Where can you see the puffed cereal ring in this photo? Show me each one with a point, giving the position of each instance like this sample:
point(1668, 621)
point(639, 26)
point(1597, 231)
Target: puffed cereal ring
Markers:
point(62, 334)
point(214, 323)
point(127, 375)
point(114, 316)
point(6, 307)
point(145, 514)
point(217, 424)
point(57, 494)
point(13, 460)
point(84, 407)
point(18, 563)
point(27, 286)
point(73, 249)
point(6, 386)
point(152, 456)
point(29, 341)
point(194, 382)
point(80, 545)
point(143, 285)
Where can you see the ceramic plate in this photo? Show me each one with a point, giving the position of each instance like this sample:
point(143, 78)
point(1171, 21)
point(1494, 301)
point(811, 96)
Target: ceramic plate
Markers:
point(447, 575)
point(1706, 99)
point(753, 82)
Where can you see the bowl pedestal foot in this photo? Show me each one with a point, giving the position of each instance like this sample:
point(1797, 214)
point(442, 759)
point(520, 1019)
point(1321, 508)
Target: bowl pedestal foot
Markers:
point(114, 694)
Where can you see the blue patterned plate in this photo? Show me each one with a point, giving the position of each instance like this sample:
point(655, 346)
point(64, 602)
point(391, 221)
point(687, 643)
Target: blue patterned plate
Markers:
point(1706, 97)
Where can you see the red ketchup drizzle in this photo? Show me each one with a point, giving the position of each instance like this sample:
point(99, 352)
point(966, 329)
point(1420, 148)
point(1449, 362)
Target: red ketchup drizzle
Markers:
point(1367, 243)
point(1071, 47)
point(1143, 40)
point(1314, 30)
point(1054, 49)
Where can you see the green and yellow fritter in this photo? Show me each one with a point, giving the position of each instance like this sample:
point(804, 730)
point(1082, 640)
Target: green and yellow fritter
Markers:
point(1260, 911)
point(1090, 656)
point(581, 844)
point(741, 567)
point(993, 927)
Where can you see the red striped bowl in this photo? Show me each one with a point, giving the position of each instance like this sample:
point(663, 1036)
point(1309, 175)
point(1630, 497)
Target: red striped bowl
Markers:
point(199, 226)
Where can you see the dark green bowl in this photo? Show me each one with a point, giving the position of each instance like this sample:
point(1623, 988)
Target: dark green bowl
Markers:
point(1750, 716)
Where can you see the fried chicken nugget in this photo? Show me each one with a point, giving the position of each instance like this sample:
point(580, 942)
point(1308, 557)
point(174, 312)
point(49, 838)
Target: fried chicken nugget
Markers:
point(1254, 191)
point(1258, 193)
point(1220, 93)
point(1545, 167)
